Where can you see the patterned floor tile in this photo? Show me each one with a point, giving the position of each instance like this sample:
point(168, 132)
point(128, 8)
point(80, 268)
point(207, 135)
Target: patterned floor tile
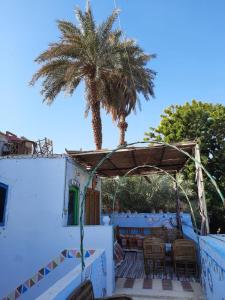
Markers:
point(167, 284)
point(129, 283)
point(186, 286)
point(147, 283)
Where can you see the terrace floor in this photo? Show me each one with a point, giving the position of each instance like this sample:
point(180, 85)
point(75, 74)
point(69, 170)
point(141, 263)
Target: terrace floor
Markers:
point(131, 280)
point(143, 289)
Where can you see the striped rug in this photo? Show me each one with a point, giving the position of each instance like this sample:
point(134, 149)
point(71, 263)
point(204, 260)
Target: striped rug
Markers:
point(133, 267)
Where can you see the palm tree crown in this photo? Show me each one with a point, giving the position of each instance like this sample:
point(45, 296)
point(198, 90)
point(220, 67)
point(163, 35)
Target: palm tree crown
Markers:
point(114, 71)
point(86, 52)
point(124, 86)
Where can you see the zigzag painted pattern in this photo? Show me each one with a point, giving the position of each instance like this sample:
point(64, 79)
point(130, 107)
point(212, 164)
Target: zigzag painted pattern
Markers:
point(21, 289)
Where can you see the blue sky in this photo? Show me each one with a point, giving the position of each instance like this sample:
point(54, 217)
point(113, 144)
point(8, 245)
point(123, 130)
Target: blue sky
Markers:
point(188, 37)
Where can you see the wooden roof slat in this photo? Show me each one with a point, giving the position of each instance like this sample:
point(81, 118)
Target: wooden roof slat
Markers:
point(122, 160)
point(162, 154)
point(113, 165)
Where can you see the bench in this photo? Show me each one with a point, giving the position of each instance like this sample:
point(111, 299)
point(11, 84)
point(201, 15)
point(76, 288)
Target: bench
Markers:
point(131, 238)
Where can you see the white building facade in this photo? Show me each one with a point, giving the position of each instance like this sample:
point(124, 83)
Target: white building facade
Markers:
point(39, 217)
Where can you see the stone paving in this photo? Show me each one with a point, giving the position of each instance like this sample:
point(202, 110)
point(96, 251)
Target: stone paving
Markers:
point(146, 289)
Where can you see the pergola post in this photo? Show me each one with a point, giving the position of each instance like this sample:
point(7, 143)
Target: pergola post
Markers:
point(201, 193)
point(178, 208)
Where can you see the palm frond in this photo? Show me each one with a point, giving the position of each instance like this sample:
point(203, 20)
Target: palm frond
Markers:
point(129, 80)
point(89, 18)
point(49, 69)
point(57, 50)
point(68, 29)
point(106, 26)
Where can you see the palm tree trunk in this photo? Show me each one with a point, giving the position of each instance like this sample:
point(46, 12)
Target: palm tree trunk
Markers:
point(95, 111)
point(123, 128)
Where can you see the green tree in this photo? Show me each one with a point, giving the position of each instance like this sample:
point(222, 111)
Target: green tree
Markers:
point(205, 123)
point(135, 193)
point(88, 53)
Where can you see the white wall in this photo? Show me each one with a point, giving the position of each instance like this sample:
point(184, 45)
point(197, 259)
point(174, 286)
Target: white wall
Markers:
point(96, 237)
point(35, 230)
point(34, 211)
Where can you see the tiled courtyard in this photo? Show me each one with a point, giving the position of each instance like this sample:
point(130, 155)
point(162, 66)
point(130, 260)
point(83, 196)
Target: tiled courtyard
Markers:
point(159, 289)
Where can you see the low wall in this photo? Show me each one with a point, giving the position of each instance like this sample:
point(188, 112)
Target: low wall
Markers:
point(143, 219)
point(35, 255)
point(95, 237)
point(49, 274)
point(187, 227)
point(212, 260)
point(148, 219)
point(212, 250)
point(95, 270)
point(62, 275)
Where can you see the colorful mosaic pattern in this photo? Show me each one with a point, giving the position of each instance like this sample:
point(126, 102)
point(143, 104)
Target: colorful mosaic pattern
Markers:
point(43, 272)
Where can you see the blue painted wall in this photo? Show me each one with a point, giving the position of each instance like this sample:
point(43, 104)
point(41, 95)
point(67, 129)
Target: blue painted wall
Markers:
point(212, 247)
point(212, 250)
point(212, 259)
point(144, 219)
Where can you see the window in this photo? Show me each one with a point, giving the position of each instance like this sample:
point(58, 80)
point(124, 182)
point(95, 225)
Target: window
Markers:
point(73, 207)
point(3, 195)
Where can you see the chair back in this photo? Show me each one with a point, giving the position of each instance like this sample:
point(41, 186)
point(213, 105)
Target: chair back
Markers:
point(184, 250)
point(83, 292)
point(173, 234)
point(159, 232)
point(153, 248)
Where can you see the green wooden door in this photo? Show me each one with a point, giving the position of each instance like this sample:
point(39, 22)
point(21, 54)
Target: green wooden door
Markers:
point(73, 209)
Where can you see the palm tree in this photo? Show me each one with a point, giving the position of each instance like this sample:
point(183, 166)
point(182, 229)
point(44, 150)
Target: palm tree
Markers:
point(89, 53)
point(127, 82)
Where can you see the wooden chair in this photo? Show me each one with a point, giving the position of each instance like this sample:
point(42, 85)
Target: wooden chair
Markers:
point(85, 292)
point(159, 232)
point(184, 257)
point(173, 234)
point(154, 255)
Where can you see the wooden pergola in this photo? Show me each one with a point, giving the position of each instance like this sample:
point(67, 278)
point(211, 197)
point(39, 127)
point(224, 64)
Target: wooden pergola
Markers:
point(169, 158)
point(123, 160)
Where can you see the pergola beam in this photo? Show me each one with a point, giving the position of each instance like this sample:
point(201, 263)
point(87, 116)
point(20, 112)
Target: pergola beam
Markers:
point(159, 155)
point(157, 165)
